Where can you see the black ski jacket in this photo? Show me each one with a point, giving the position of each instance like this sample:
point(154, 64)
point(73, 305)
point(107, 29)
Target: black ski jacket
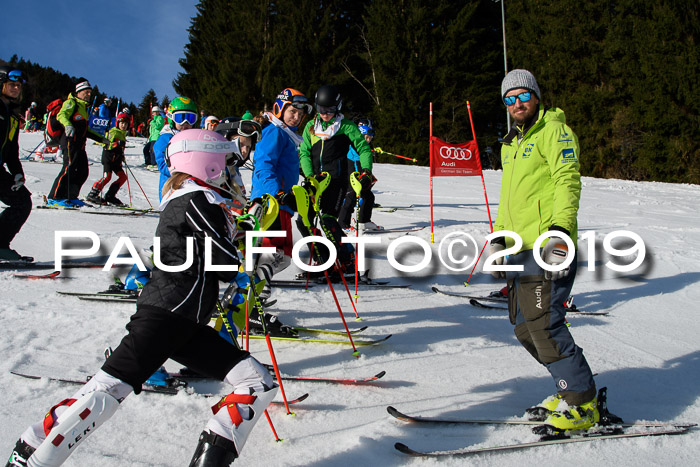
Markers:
point(9, 139)
point(191, 293)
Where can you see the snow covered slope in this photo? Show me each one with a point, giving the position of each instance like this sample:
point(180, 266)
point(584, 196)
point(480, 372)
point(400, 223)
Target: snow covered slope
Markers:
point(445, 357)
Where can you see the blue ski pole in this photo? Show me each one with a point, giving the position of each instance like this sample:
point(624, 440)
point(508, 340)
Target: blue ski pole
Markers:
point(33, 150)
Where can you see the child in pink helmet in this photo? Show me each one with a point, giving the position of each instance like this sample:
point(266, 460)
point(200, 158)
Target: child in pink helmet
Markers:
point(171, 319)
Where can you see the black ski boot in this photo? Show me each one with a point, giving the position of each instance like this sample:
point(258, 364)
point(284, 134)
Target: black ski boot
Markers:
point(111, 197)
point(273, 325)
point(20, 454)
point(213, 451)
point(94, 196)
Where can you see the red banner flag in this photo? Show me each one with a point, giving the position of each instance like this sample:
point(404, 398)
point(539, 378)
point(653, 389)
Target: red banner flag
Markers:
point(451, 160)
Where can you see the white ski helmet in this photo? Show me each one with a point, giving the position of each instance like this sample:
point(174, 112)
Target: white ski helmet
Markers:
point(200, 154)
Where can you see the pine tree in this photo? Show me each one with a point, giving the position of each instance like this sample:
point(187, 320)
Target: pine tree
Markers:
point(444, 52)
point(144, 109)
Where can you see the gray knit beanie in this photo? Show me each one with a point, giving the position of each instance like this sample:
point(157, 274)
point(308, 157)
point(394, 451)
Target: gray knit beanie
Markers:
point(517, 79)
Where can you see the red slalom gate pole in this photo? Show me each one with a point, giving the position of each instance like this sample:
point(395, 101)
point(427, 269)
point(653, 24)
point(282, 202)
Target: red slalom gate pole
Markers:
point(277, 371)
point(355, 352)
point(272, 427)
point(357, 316)
point(477, 262)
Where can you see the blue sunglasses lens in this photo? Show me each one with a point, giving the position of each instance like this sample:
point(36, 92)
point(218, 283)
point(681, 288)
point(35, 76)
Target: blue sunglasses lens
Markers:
point(523, 97)
point(16, 75)
point(182, 117)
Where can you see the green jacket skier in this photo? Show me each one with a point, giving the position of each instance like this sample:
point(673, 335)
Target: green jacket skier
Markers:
point(540, 193)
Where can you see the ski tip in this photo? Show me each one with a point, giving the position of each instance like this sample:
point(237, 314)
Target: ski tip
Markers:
point(379, 375)
point(435, 289)
point(405, 449)
point(362, 328)
point(396, 414)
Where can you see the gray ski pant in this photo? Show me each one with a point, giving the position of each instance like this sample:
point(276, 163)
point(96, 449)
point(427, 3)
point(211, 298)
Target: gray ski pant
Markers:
point(536, 308)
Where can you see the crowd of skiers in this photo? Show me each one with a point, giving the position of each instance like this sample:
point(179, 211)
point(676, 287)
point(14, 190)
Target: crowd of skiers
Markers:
point(318, 176)
point(199, 184)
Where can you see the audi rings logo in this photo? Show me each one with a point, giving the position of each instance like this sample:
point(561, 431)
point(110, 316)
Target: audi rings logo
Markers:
point(100, 122)
point(458, 154)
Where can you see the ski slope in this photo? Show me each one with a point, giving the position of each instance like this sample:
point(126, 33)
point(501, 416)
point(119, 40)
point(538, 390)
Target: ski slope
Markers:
point(445, 358)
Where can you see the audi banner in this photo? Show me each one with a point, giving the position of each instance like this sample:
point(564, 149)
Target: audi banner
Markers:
point(454, 160)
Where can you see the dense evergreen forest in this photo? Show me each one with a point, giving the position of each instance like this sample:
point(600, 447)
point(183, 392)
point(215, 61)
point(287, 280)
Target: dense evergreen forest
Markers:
point(625, 71)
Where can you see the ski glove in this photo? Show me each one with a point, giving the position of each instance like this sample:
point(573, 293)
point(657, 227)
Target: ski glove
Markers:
point(19, 182)
point(367, 180)
point(309, 187)
point(70, 132)
point(255, 208)
point(496, 247)
point(554, 253)
point(247, 223)
point(287, 198)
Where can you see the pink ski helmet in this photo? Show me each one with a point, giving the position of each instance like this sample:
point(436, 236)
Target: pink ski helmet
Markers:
point(200, 154)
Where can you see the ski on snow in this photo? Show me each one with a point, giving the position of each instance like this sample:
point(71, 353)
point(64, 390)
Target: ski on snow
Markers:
point(174, 386)
point(477, 421)
point(51, 275)
point(324, 341)
point(310, 379)
point(610, 427)
point(585, 437)
point(476, 297)
point(393, 230)
point(300, 280)
point(394, 208)
point(87, 262)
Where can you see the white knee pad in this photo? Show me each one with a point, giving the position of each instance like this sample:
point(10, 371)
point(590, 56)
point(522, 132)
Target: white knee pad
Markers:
point(249, 373)
point(118, 389)
point(237, 413)
point(75, 424)
point(106, 383)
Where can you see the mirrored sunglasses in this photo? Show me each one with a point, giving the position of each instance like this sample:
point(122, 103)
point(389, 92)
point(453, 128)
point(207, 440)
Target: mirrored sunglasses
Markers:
point(182, 117)
point(523, 97)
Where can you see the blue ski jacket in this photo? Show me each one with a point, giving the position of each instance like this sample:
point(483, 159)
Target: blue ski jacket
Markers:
point(276, 164)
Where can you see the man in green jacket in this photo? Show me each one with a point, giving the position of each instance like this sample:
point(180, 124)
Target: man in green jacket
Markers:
point(74, 118)
point(324, 149)
point(540, 193)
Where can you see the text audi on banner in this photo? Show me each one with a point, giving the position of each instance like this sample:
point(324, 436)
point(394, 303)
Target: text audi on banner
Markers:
point(450, 160)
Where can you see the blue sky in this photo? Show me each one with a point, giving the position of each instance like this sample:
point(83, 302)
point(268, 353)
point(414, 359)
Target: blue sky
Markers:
point(125, 47)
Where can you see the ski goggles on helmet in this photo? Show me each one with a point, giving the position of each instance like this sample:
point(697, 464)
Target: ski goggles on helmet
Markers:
point(247, 128)
point(185, 145)
point(523, 97)
point(16, 76)
point(301, 103)
point(322, 109)
point(184, 116)
point(366, 130)
point(250, 128)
